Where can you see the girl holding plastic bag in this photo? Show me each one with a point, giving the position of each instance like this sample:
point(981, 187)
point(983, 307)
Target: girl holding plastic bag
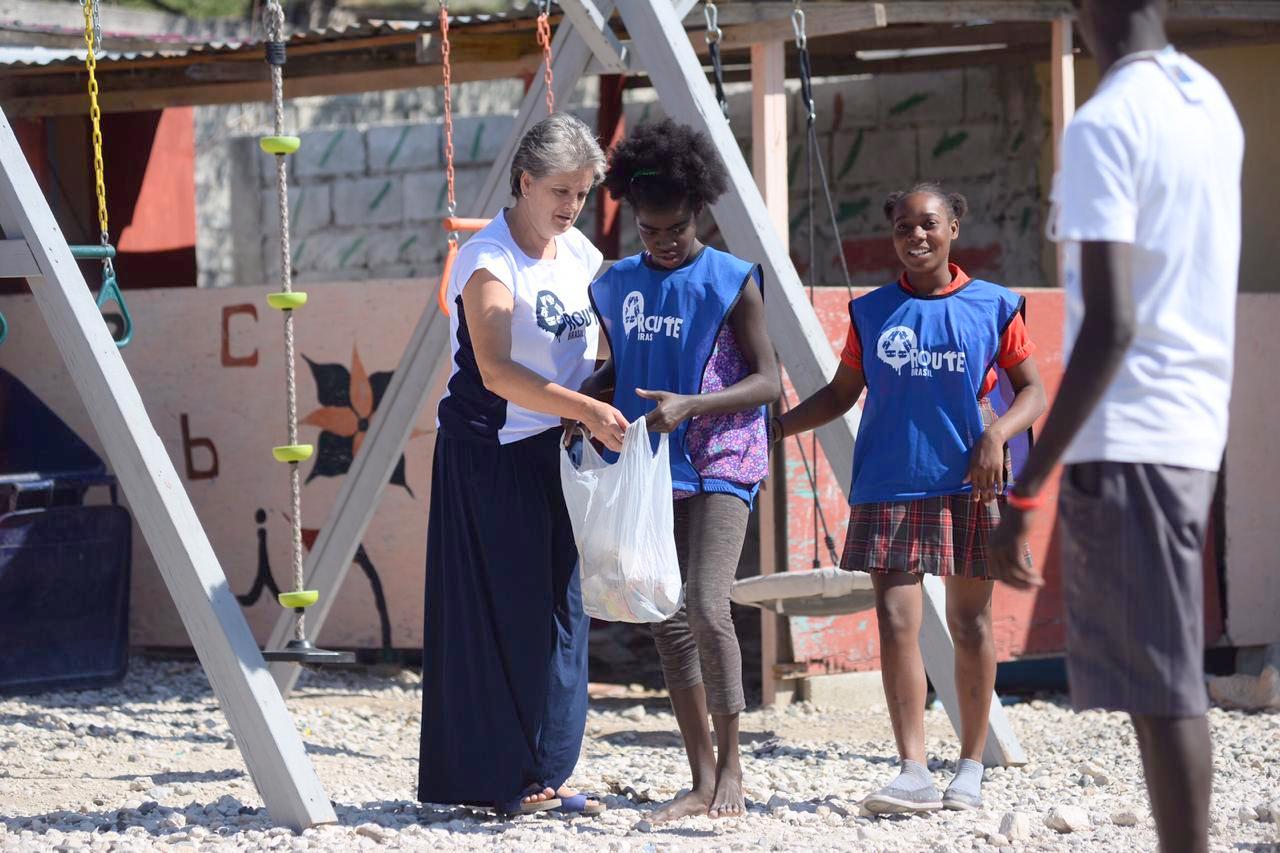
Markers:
point(689, 353)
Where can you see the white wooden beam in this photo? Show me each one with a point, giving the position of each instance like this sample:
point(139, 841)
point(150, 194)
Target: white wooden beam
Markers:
point(593, 27)
point(664, 51)
point(264, 731)
point(1062, 71)
point(421, 370)
point(16, 260)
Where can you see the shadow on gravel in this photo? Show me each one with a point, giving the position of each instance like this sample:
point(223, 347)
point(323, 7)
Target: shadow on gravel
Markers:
point(183, 776)
point(666, 738)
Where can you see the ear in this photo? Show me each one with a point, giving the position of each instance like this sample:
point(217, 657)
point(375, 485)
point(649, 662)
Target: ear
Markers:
point(955, 228)
point(526, 182)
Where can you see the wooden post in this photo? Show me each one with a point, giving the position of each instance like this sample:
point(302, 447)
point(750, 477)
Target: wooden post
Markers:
point(611, 125)
point(769, 130)
point(769, 166)
point(1063, 74)
point(264, 731)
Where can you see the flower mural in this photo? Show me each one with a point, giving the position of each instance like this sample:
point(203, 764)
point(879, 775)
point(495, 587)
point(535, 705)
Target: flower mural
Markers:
point(348, 399)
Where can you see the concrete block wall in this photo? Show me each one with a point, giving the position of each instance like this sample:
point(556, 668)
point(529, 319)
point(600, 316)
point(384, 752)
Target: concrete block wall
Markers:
point(366, 199)
point(977, 131)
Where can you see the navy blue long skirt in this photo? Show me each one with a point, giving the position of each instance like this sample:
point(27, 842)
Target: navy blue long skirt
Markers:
point(504, 665)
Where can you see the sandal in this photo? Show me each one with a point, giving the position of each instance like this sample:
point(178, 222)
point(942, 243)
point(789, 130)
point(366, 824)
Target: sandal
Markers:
point(518, 806)
point(588, 805)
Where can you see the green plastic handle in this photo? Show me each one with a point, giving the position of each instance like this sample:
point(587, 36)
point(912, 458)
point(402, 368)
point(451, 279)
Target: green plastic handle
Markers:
point(93, 253)
point(110, 292)
point(4, 328)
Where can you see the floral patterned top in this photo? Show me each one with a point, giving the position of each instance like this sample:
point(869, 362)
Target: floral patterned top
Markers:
point(731, 447)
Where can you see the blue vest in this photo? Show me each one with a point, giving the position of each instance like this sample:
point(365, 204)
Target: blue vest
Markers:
point(662, 327)
point(924, 359)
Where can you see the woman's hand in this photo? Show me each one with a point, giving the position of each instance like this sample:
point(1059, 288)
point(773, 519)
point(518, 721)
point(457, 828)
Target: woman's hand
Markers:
point(671, 411)
point(986, 466)
point(605, 423)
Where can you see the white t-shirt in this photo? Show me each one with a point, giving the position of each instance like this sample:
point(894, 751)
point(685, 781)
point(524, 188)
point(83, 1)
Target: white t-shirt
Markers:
point(1154, 159)
point(554, 331)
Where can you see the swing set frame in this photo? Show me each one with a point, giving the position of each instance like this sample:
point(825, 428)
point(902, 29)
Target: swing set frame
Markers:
point(752, 218)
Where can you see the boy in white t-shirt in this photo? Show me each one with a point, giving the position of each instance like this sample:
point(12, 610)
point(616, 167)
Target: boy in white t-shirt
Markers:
point(1148, 199)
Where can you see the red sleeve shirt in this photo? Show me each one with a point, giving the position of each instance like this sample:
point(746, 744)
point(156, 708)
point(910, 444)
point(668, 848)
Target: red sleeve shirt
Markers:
point(1016, 345)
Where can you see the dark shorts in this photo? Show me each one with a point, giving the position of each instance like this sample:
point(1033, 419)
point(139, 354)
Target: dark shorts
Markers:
point(1133, 540)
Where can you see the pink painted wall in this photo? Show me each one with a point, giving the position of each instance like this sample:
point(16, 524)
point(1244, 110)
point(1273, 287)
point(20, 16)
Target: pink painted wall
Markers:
point(1031, 623)
point(209, 366)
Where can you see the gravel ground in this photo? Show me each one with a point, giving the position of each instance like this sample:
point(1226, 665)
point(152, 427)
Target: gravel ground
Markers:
point(151, 765)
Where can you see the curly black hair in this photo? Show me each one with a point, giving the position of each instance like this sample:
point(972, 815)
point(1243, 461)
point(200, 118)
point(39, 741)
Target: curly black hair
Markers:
point(955, 202)
point(662, 165)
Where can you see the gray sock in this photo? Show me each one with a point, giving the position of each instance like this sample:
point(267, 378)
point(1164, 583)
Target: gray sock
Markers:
point(968, 779)
point(914, 776)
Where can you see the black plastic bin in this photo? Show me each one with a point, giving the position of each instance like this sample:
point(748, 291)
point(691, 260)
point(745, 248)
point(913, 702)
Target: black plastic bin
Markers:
point(64, 566)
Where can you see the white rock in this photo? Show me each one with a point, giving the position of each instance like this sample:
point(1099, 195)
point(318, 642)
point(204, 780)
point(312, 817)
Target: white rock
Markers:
point(635, 713)
point(373, 831)
point(1124, 817)
point(1015, 826)
point(142, 783)
point(995, 839)
point(1247, 814)
point(1066, 819)
point(176, 820)
point(160, 792)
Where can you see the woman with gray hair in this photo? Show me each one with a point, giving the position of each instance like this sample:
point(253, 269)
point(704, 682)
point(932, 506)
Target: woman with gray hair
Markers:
point(504, 664)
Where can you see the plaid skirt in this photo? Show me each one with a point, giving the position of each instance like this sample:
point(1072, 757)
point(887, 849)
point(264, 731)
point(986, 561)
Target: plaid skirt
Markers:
point(942, 536)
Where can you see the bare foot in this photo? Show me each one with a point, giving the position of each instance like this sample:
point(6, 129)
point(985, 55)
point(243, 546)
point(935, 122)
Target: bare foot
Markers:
point(544, 794)
point(728, 800)
point(693, 803)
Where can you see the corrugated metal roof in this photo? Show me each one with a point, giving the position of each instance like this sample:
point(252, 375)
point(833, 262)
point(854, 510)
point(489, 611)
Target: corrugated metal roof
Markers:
point(29, 57)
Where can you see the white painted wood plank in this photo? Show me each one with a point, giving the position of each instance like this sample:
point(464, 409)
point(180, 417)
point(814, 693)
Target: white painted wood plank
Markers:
point(16, 260)
point(422, 369)
point(263, 729)
point(1002, 748)
point(591, 24)
point(665, 52)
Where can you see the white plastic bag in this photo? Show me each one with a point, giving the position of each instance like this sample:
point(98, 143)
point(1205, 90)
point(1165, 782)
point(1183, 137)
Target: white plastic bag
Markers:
point(623, 523)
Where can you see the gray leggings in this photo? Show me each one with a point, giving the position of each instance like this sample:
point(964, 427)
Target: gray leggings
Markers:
point(698, 644)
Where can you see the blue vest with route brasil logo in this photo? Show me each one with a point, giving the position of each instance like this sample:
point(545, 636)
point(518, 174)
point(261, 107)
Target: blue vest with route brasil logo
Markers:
point(662, 327)
point(925, 359)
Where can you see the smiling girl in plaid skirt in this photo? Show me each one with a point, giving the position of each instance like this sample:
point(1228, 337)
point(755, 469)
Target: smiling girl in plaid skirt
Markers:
point(930, 466)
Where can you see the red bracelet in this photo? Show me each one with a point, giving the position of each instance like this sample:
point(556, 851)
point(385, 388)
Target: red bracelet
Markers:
point(1024, 504)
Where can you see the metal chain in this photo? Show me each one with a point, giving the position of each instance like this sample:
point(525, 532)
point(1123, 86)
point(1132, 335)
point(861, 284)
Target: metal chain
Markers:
point(712, 16)
point(713, 37)
point(92, 40)
point(544, 39)
point(447, 80)
point(275, 33)
point(797, 25)
point(97, 24)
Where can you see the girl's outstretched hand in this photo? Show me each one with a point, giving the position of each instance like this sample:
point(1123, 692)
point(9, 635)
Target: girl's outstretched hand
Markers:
point(986, 466)
point(671, 411)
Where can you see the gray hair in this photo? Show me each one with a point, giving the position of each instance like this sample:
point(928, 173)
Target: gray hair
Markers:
point(559, 143)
